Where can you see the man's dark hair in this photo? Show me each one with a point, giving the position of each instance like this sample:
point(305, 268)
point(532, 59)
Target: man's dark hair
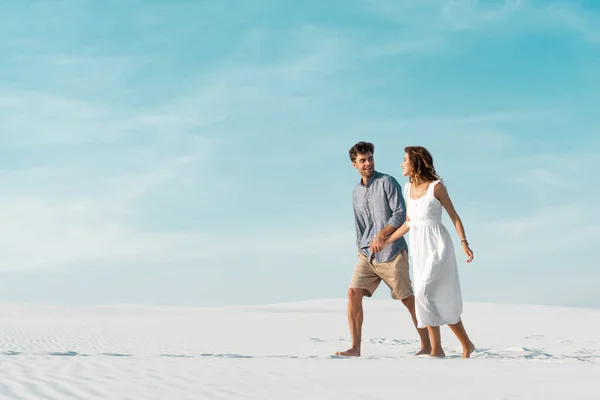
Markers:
point(361, 148)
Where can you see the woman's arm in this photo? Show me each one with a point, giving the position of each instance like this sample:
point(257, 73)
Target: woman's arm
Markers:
point(398, 233)
point(442, 195)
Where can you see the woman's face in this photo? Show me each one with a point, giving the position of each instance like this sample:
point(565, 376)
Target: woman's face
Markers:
point(406, 166)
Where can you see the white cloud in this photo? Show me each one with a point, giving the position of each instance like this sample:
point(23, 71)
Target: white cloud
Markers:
point(573, 16)
point(474, 14)
point(76, 206)
point(456, 15)
point(400, 47)
point(70, 198)
point(77, 216)
point(42, 234)
point(570, 167)
point(74, 194)
point(32, 118)
point(540, 177)
point(537, 240)
point(433, 18)
point(549, 214)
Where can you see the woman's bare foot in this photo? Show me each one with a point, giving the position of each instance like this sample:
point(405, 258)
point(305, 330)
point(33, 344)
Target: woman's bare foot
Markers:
point(467, 352)
point(439, 353)
point(424, 351)
point(349, 353)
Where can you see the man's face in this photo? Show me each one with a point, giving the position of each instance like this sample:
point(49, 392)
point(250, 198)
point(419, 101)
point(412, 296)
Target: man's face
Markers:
point(365, 164)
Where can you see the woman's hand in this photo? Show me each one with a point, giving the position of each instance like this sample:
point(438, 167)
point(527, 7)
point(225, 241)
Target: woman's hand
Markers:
point(467, 251)
point(383, 244)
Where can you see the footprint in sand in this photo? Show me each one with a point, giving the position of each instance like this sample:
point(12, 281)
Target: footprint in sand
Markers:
point(175, 355)
point(116, 355)
point(226, 355)
point(534, 337)
point(391, 342)
point(65, 354)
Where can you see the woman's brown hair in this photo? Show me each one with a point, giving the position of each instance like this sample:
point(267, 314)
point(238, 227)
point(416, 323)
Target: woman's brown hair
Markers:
point(422, 164)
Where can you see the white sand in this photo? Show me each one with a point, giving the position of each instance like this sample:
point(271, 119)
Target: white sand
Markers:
point(284, 352)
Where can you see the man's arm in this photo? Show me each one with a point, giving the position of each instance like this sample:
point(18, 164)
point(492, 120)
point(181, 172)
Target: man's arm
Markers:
point(358, 226)
point(396, 203)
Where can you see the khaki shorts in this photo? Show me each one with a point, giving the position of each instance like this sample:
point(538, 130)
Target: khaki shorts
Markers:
point(393, 273)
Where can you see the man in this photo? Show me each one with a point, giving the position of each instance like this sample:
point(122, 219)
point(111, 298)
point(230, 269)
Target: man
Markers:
point(379, 210)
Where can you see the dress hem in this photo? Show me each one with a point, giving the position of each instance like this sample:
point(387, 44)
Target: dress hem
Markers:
point(451, 322)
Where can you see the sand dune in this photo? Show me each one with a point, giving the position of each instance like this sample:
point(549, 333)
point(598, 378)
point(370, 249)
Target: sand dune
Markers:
point(285, 352)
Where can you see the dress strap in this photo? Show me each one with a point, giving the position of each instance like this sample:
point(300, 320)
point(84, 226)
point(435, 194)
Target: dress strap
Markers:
point(406, 190)
point(431, 187)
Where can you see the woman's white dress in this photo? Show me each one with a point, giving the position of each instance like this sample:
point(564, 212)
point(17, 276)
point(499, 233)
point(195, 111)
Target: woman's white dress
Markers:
point(438, 299)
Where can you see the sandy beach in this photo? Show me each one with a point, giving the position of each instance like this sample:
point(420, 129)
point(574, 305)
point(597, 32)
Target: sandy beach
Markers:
point(285, 352)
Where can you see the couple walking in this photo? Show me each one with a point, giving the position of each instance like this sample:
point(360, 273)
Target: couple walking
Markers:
point(381, 220)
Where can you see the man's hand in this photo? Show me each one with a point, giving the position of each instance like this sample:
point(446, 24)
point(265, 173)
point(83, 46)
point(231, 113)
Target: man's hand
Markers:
point(377, 244)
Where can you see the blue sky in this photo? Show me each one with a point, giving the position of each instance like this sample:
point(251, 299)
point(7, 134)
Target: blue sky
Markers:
point(195, 152)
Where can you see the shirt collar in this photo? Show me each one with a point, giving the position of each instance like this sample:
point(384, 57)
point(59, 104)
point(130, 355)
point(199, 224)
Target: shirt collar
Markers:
point(370, 180)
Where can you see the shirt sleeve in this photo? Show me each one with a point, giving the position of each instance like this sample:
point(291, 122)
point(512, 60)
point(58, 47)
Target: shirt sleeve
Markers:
point(358, 226)
point(396, 202)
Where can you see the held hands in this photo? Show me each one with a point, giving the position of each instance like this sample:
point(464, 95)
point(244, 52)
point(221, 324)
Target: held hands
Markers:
point(377, 244)
point(467, 251)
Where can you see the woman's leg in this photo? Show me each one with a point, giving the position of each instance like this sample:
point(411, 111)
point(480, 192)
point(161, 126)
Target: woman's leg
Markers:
point(460, 332)
point(436, 342)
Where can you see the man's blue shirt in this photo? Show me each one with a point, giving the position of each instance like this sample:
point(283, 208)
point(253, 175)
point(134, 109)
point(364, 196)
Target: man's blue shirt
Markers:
point(377, 204)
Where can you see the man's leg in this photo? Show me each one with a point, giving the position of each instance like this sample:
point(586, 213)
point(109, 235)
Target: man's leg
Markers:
point(355, 320)
point(364, 282)
point(409, 302)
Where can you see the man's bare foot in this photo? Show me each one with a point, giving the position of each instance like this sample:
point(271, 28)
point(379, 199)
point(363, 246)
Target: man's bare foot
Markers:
point(349, 353)
point(467, 352)
point(437, 353)
point(424, 351)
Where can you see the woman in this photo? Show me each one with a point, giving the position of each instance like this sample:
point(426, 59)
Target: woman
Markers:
point(437, 287)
